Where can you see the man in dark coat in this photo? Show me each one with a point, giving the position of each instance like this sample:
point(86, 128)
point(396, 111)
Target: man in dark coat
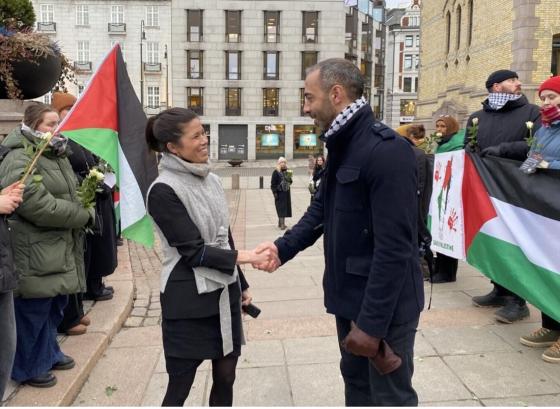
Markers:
point(502, 131)
point(366, 208)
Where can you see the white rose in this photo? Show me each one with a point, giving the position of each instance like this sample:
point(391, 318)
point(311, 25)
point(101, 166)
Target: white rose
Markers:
point(439, 135)
point(475, 121)
point(529, 125)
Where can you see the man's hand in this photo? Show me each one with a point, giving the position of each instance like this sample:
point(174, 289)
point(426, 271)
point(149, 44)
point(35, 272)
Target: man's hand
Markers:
point(9, 203)
point(491, 151)
point(246, 298)
point(15, 189)
point(357, 342)
point(273, 261)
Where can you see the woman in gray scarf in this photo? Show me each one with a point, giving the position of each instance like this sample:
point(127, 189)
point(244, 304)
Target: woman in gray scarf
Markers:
point(202, 286)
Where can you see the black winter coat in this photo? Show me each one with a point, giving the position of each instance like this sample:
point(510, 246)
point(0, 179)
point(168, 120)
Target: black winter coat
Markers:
point(366, 207)
point(101, 247)
point(506, 127)
point(282, 197)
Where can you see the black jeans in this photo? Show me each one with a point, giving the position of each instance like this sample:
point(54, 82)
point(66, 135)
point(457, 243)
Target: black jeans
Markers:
point(549, 322)
point(364, 386)
point(504, 292)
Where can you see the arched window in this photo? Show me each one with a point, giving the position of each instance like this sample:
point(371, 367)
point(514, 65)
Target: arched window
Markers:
point(555, 66)
point(471, 18)
point(458, 40)
point(448, 28)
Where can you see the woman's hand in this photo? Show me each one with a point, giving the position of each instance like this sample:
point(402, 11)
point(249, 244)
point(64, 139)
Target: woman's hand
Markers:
point(246, 298)
point(9, 203)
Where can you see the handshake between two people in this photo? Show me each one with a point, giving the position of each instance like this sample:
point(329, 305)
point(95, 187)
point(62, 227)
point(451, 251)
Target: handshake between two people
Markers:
point(263, 257)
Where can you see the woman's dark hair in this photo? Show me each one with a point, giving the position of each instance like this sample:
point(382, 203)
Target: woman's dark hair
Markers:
point(167, 126)
point(33, 115)
point(317, 166)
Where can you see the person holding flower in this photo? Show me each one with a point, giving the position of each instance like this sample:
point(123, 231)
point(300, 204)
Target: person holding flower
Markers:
point(280, 183)
point(47, 235)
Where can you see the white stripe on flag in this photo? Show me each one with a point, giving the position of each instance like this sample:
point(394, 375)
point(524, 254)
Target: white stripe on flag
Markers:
point(518, 226)
point(131, 200)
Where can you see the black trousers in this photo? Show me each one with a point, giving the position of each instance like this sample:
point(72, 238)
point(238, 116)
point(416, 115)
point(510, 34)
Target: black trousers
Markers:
point(507, 293)
point(549, 322)
point(364, 386)
point(73, 313)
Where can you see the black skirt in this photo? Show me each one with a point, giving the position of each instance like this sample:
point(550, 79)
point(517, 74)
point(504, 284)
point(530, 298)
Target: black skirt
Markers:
point(185, 340)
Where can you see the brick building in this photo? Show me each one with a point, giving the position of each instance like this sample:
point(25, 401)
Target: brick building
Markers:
point(462, 41)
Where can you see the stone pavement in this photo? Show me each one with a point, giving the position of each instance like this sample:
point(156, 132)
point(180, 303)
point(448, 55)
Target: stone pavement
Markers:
point(463, 357)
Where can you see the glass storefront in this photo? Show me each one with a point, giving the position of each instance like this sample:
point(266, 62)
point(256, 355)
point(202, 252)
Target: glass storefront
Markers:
point(270, 141)
point(306, 141)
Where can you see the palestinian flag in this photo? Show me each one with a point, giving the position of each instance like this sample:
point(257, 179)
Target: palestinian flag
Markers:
point(512, 228)
point(109, 121)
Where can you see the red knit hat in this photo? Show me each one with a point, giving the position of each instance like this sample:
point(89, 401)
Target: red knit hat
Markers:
point(552, 84)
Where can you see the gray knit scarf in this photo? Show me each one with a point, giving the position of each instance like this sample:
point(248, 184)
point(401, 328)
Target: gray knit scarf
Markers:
point(202, 194)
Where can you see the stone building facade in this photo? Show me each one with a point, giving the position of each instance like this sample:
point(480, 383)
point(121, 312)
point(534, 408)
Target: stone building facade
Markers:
point(402, 61)
point(465, 40)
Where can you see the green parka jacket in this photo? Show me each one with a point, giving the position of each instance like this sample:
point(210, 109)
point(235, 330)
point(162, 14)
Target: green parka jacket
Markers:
point(46, 228)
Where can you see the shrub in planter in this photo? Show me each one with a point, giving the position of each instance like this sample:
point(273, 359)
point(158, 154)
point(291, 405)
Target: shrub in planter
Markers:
point(30, 63)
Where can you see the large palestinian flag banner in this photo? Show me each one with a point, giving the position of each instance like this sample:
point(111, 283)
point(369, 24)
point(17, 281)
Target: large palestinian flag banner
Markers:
point(512, 227)
point(109, 121)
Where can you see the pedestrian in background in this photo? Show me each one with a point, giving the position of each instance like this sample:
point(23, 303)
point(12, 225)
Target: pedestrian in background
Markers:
point(502, 132)
point(317, 175)
point(47, 233)
point(202, 289)
point(10, 199)
point(280, 183)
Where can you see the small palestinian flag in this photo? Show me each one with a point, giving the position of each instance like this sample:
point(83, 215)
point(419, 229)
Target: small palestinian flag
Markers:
point(109, 121)
point(512, 228)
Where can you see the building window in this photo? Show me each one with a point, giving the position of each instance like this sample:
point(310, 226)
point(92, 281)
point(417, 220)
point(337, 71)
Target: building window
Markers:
point(271, 26)
point(367, 35)
point(417, 40)
point(555, 67)
point(308, 59)
point(233, 26)
point(458, 39)
point(270, 141)
point(471, 20)
point(82, 15)
point(306, 141)
point(153, 97)
point(113, 42)
point(117, 14)
point(153, 52)
point(195, 100)
point(83, 52)
point(408, 62)
point(365, 68)
point(271, 65)
point(233, 101)
point(195, 64)
point(352, 29)
point(233, 65)
point(46, 13)
point(416, 84)
point(271, 97)
point(448, 32)
point(152, 16)
point(416, 59)
point(407, 84)
point(310, 31)
point(409, 41)
point(194, 26)
point(301, 101)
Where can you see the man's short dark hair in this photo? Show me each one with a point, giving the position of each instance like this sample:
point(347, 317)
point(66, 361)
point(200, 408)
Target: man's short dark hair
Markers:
point(338, 71)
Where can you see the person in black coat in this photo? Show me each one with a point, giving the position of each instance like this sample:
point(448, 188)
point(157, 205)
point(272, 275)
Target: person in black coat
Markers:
point(280, 183)
point(502, 131)
point(318, 172)
point(10, 198)
point(366, 208)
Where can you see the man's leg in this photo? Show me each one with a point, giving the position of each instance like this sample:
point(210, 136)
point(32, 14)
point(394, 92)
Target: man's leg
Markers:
point(7, 338)
point(354, 370)
point(395, 389)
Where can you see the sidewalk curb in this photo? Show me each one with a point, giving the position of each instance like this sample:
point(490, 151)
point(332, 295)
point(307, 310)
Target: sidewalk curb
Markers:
point(107, 319)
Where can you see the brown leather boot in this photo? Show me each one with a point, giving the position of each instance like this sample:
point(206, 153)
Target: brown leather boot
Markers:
point(79, 329)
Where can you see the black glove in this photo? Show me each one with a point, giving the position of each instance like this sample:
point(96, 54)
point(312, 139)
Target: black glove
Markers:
point(491, 151)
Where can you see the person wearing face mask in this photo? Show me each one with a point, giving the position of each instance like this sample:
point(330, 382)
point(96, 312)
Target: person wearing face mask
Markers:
point(202, 287)
point(47, 236)
point(280, 183)
point(502, 131)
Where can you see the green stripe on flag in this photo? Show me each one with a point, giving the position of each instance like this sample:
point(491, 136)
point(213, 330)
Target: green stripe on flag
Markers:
point(506, 264)
point(100, 141)
point(142, 232)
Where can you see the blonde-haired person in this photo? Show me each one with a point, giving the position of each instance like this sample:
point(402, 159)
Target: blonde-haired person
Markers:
point(280, 183)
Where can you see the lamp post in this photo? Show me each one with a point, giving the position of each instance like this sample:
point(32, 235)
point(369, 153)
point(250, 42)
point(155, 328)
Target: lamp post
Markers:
point(142, 38)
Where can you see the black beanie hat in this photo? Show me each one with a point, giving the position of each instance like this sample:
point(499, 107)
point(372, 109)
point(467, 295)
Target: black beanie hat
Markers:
point(499, 76)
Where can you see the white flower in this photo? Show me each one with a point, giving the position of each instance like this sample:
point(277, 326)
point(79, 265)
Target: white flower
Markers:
point(529, 125)
point(45, 135)
point(96, 174)
point(475, 121)
point(439, 135)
